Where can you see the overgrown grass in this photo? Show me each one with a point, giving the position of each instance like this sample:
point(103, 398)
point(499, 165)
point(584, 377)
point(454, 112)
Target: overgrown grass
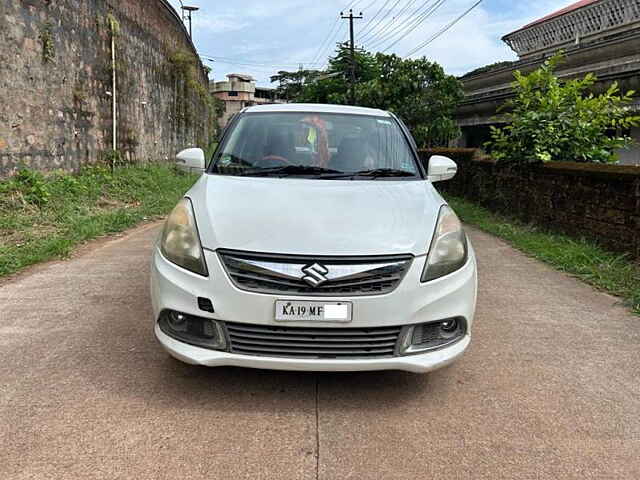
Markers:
point(613, 273)
point(43, 218)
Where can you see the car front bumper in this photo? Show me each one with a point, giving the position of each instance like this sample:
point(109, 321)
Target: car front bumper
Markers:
point(411, 303)
point(420, 363)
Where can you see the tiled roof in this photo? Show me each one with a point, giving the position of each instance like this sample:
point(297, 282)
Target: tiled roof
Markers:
point(570, 8)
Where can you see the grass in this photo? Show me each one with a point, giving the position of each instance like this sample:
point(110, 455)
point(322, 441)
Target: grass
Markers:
point(44, 218)
point(614, 273)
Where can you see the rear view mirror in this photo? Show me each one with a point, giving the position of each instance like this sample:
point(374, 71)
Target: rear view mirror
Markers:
point(191, 160)
point(441, 168)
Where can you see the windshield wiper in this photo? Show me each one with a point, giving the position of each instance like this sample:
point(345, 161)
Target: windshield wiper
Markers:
point(289, 170)
point(376, 173)
point(385, 172)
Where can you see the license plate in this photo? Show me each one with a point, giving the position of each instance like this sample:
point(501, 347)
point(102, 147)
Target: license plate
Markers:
point(293, 311)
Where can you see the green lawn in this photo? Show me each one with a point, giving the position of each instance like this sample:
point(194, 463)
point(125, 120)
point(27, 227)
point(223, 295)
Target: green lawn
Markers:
point(43, 218)
point(613, 273)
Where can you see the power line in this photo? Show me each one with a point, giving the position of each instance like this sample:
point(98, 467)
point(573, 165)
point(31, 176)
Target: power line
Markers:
point(382, 19)
point(396, 17)
point(374, 17)
point(443, 30)
point(246, 63)
point(426, 15)
point(416, 17)
point(317, 56)
point(370, 5)
point(327, 53)
point(324, 48)
point(324, 42)
point(413, 17)
point(326, 62)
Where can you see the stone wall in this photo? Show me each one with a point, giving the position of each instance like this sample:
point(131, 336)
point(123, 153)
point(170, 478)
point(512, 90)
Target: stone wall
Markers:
point(601, 202)
point(55, 83)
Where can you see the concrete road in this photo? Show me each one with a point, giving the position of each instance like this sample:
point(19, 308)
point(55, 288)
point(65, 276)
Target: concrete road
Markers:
point(549, 390)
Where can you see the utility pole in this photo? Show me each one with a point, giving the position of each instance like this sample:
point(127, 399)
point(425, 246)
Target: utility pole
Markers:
point(352, 50)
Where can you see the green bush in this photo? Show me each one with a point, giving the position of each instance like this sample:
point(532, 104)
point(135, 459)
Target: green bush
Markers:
point(32, 186)
point(554, 120)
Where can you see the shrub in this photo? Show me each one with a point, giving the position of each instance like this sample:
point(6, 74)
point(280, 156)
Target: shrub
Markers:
point(550, 119)
point(33, 186)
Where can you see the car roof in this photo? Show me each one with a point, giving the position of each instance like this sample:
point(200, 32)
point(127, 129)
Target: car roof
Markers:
point(316, 108)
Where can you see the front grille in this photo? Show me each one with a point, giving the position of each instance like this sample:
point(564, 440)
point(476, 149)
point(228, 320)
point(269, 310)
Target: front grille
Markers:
point(294, 342)
point(315, 276)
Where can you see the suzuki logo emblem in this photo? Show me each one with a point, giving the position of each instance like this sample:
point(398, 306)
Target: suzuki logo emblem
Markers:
point(315, 274)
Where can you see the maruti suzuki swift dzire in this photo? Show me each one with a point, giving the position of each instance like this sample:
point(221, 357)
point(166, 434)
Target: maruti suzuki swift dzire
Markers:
point(314, 240)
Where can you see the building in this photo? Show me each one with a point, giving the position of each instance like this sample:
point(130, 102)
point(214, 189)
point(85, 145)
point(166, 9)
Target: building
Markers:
point(240, 91)
point(598, 36)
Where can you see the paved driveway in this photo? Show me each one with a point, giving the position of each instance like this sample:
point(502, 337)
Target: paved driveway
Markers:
point(549, 390)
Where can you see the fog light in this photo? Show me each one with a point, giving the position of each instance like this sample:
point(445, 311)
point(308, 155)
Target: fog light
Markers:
point(449, 325)
point(434, 335)
point(202, 332)
point(177, 322)
point(449, 328)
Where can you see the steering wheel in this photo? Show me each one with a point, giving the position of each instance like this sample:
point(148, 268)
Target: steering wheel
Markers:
point(272, 161)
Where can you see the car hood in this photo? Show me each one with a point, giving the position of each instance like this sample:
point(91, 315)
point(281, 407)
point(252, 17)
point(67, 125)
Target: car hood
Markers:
point(315, 217)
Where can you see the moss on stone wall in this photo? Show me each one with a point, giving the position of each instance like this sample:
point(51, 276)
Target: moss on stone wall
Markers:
point(46, 42)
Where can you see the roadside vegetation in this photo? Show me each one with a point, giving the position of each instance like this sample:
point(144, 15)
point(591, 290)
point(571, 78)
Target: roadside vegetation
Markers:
point(614, 273)
point(551, 119)
point(45, 217)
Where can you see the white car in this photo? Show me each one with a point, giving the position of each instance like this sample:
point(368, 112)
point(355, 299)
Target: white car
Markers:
point(314, 241)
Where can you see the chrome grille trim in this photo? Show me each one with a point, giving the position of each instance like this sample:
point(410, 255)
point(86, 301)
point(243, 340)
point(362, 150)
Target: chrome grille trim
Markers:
point(298, 342)
point(285, 275)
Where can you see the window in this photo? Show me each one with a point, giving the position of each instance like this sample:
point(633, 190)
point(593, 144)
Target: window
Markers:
point(339, 142)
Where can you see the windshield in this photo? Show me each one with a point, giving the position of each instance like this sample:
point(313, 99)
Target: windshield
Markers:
point(315, 145)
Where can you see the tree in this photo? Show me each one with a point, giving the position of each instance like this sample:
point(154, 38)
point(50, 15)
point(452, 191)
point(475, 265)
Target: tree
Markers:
point(418, 91)
point(290, 84)
point(550, 119)
point(329, 86)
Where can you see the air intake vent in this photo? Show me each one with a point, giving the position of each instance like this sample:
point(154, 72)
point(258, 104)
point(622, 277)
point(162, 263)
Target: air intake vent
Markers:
point(292, 342)
point(205, 305)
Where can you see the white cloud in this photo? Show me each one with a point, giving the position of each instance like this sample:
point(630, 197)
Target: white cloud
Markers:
point(475, 40)
point(279, 34)
point(219, 24)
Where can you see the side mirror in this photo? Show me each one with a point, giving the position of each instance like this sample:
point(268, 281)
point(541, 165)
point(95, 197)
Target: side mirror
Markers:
point(441, 168)
point(191, 160)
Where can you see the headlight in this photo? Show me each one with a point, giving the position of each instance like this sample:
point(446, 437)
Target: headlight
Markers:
point(448, 251)
point(180, 241)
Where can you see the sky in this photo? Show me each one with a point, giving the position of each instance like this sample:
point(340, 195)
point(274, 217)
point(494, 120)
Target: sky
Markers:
point(260, 37)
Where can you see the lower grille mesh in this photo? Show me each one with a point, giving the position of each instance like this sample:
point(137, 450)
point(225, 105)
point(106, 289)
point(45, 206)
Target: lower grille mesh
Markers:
point(293, 342)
